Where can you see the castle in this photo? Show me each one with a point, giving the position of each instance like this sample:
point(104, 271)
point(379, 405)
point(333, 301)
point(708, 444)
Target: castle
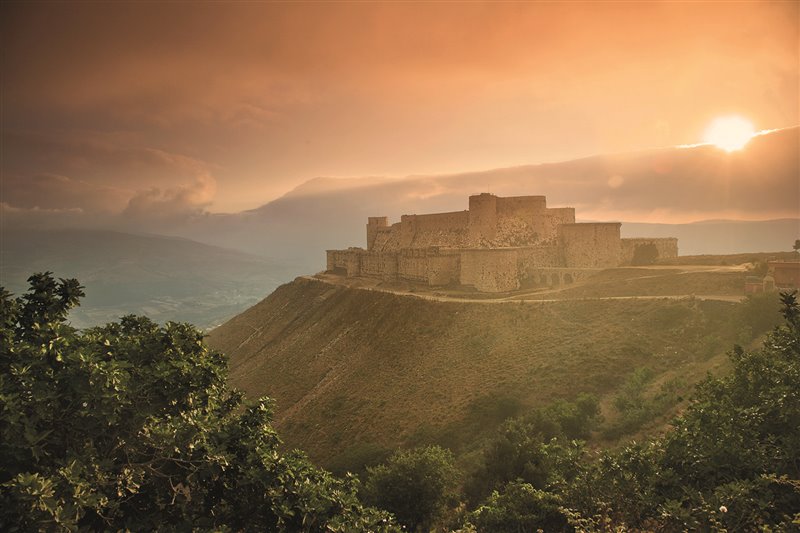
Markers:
point(497, 245)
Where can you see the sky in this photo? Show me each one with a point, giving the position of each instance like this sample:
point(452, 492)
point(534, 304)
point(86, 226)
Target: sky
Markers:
point(151, 108)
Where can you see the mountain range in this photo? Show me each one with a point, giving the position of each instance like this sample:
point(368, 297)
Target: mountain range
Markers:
point(165, 278)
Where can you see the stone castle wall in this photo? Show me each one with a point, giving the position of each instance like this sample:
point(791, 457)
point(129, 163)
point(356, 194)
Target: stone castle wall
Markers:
point(532, 260)
point(444, 268)
point(440, 229)
point(490, 270)
point(498, 245)
point(590, 245)
point(412, 265)
point(490, 222)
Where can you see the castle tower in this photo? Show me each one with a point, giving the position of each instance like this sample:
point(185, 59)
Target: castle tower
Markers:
point(482, 218)
point(373, 223)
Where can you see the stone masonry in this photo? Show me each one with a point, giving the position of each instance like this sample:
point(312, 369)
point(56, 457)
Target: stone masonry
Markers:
point(497, 245)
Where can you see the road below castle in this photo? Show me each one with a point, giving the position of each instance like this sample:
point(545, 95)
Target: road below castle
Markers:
point(704, 282)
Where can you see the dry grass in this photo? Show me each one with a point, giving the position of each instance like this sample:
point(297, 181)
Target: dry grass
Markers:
point(358, 372)
point(655, 282)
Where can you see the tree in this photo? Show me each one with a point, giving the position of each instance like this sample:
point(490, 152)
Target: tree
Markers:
point(414, 485)
point(796, 246)
point(534, 452)
point(741, 434)
point(645, 254)
point(132, 426)
point(732, 460)
point(519, 508)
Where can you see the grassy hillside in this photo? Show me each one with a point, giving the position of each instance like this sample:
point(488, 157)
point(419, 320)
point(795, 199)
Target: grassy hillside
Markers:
point(357, 372)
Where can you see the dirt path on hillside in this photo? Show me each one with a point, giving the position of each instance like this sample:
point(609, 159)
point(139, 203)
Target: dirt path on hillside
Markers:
point(526, 296)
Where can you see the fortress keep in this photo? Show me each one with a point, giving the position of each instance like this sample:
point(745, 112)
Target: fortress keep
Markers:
point(497, 245)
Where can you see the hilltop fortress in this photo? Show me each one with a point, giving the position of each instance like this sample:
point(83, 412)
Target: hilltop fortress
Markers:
point(497, 245)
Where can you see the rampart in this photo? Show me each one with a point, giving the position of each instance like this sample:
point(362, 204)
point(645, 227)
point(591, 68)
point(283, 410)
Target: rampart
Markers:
point(590, 245)
point(497, 245)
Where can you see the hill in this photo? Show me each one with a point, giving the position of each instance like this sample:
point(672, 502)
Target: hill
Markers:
point(166, 278)
point(358, 372)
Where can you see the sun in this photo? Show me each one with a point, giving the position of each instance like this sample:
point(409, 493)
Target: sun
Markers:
point(729, 133)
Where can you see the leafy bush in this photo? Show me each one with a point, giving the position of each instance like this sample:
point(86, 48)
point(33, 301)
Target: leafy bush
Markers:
point(732, 460)
point(758, 313)
point(570, 420)
point(645, 254)
point(731, 463)
point(520, 452)
point(636, 408)
point(131, 426)
point(414, 485)
point(520, 507)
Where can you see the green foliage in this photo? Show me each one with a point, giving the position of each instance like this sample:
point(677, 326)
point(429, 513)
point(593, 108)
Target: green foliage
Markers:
point(635, 407)
point(757, 314)
point(570, 420)
point(746, 424)
point(529, 448)
point(131, 426)
point(732, 460)
point(758, 267)
point(731, 463)
point(520, 507)
point(645, 254)
point(414, 485)
point(520, 452)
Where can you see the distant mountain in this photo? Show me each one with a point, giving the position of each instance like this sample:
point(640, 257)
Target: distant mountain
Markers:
point(166, 278)
point(758, 182)
point(723, 236)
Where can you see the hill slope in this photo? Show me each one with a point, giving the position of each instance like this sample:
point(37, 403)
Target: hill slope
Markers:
point(165, 278)
point(356, 372)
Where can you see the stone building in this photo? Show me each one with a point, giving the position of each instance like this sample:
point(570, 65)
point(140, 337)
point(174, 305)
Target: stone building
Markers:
point(782, 275)
point(497, 245)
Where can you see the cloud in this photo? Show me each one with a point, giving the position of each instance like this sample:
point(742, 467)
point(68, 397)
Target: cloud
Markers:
point(275, 93)
point(102, 173)
point(111, 180)
point(175, 202)
point(58, 192)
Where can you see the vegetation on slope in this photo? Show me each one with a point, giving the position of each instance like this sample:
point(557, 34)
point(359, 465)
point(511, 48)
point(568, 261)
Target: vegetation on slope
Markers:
point(730, 463)
point(132, 426)
point(338, 359)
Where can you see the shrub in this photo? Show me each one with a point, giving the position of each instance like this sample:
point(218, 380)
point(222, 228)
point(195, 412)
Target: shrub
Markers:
point(414, 485)
point(132, 426)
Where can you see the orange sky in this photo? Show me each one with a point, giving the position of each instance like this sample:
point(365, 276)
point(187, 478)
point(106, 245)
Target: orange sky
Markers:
point(223, 107)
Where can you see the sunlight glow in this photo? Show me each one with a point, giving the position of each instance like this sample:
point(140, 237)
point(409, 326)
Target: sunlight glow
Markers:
point(729, 133)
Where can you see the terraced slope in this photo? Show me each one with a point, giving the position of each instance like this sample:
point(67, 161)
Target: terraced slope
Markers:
point(357, 372)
